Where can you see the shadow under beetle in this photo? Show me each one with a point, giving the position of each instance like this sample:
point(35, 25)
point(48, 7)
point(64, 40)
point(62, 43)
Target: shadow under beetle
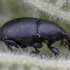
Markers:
point(23, 32)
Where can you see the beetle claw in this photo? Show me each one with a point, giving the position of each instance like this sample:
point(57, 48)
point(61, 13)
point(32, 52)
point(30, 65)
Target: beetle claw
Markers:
point(36, 52)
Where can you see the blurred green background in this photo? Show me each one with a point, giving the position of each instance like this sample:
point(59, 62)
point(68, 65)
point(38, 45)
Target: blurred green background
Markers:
point(10, 9)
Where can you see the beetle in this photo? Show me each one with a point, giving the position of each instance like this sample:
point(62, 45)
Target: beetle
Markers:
point(23, 32)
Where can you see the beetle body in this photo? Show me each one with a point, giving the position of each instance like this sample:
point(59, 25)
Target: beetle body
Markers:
point(23, 32)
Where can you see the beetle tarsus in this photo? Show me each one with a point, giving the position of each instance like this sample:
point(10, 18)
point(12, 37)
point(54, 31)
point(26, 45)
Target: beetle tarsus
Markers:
point(9, 47)
point(36, 52)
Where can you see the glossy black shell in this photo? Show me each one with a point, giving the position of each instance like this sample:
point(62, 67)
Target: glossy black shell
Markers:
point(25, 30)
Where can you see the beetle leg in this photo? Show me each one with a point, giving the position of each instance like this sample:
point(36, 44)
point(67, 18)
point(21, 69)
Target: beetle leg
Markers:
point(54, 50)
point(36, 52)
point(9, 47)
point(37, 45)
point(12, 43)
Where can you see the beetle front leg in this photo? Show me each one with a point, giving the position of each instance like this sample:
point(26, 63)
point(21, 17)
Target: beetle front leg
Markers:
point(54, 50)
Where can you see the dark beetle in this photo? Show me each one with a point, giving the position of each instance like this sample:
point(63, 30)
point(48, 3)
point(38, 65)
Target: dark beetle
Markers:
point(23, 32)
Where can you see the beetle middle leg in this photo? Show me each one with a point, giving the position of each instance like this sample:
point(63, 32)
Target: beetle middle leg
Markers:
point(36, 46)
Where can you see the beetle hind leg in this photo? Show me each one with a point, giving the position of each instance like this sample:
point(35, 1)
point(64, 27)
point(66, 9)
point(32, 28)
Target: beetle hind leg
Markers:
point(9, 47)
point(36, 46)
point(10, 43)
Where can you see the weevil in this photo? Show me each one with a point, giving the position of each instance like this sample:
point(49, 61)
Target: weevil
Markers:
point(32, 32)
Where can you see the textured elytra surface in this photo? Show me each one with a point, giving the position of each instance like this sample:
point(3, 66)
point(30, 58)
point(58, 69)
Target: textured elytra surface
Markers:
point(22, 27)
